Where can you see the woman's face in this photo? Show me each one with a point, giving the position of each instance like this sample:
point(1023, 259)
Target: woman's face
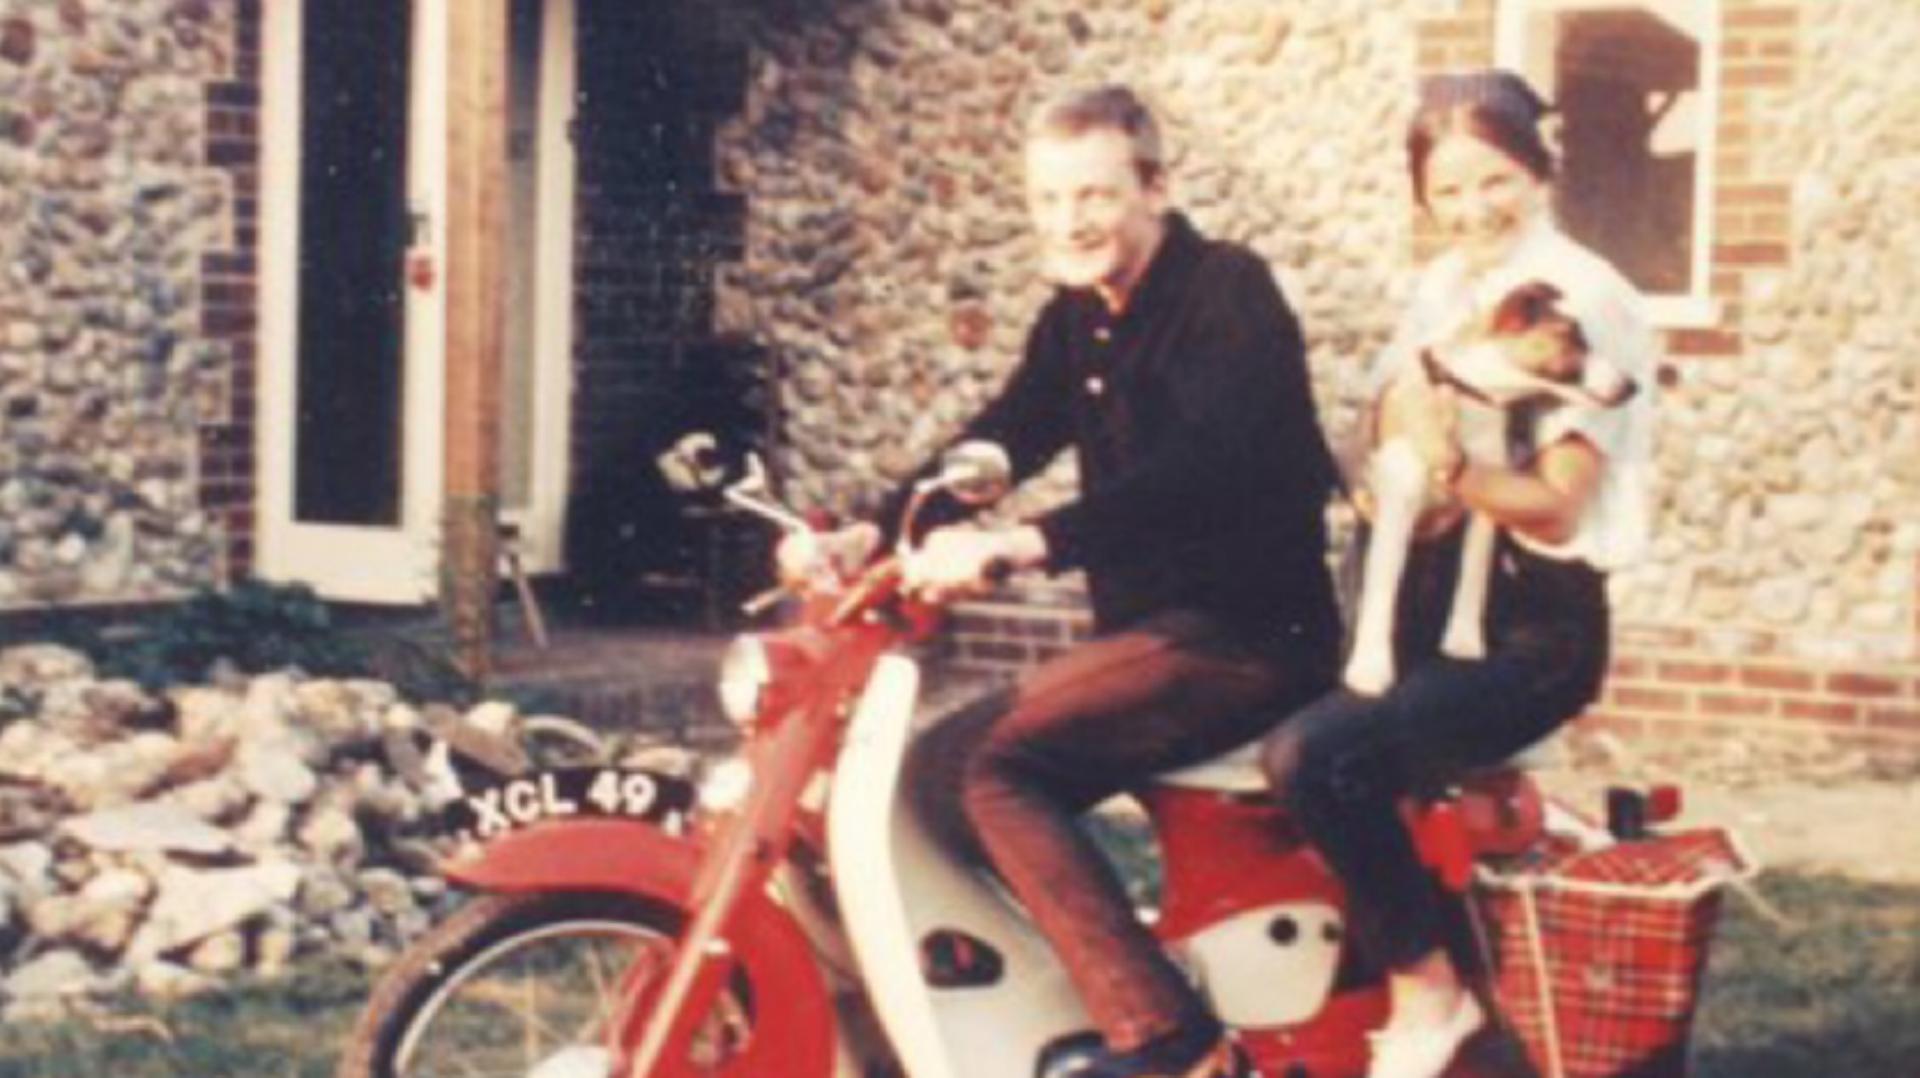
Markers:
point(1480, 197)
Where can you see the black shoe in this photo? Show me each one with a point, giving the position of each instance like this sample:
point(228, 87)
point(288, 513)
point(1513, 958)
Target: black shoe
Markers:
point(1178, 1054)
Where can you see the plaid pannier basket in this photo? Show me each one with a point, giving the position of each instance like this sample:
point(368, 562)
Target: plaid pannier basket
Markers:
point(1596, 955)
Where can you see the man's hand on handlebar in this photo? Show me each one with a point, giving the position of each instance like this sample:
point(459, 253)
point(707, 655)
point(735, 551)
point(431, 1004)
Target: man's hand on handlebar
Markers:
point(963, 560)
point(808, 559)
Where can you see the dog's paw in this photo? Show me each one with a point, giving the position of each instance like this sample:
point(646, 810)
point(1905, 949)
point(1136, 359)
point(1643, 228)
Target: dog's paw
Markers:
point(1368, 676)
point(1464, 644)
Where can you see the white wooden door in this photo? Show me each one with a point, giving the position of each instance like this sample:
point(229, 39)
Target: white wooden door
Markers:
point(353, 315)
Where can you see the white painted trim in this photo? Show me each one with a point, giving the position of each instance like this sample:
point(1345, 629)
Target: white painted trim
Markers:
point(543, 527)
point(426, 366)
point(370, 564)
point(859, 844)
point(894, 882)
point(1696, 308)
point(280, 81)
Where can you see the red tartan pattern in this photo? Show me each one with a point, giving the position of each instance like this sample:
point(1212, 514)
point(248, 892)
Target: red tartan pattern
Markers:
point(1622, 969)
point(1686, 857)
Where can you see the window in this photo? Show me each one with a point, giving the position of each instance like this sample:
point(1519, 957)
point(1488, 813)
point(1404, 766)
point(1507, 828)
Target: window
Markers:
point(1636, 83)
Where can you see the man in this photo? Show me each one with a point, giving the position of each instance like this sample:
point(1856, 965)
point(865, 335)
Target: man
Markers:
point(1174, 367)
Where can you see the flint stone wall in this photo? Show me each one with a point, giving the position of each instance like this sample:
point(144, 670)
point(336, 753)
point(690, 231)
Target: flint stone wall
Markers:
point(107, 203)
point(889, 270)
point(1792, 493)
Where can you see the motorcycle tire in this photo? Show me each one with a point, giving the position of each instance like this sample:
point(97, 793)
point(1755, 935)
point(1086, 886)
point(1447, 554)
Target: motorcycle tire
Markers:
point(523, 984)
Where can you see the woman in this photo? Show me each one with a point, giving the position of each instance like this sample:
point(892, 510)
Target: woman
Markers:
point(1571, 506)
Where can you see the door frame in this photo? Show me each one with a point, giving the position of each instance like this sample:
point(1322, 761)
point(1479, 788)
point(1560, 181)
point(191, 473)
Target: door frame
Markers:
point(542, 523)
point(401, 564)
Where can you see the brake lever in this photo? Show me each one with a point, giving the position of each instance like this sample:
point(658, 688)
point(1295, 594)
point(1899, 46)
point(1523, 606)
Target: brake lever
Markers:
point(765, 601)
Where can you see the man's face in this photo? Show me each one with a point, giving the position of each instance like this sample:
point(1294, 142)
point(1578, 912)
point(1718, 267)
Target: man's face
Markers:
point(1098, 224)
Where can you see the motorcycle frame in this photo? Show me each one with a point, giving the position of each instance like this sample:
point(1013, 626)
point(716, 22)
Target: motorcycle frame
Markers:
point(848, 715)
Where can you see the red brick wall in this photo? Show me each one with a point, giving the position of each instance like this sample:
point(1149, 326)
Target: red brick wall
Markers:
point(653, 228)
point(1665, 682)
point(228, 292)
point(1679, 682)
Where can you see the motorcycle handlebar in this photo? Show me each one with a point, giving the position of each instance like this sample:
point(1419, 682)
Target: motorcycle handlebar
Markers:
point(881, 581)
point(875, 585)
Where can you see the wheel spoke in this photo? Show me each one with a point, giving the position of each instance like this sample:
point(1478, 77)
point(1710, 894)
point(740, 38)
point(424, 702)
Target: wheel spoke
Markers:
point(519, 998)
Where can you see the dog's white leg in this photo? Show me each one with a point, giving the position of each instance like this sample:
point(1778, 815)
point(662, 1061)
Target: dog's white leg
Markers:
point(1398, 480)
point(1466, 636)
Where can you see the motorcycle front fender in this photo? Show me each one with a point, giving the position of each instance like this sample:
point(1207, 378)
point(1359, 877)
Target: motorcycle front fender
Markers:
point(634, 858)
point(583, 855)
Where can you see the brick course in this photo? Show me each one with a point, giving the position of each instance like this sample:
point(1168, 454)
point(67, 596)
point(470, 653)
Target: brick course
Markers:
point(228, 485)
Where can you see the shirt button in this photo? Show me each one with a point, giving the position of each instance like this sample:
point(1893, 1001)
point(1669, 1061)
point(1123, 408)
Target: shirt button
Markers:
point(1096, 385)
point(1102, 334)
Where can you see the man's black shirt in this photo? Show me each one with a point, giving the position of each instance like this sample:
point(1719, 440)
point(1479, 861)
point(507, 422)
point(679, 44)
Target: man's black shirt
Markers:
point(1203, 471)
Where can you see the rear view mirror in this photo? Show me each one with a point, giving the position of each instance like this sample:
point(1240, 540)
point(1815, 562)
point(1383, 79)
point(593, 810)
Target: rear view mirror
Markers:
point(975, 472)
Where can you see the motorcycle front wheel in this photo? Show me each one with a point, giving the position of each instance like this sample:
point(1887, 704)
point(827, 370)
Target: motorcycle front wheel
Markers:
point(531, 986)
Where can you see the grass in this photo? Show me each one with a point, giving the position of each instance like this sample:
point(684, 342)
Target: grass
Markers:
point(1835, 996)
point(293, 1026)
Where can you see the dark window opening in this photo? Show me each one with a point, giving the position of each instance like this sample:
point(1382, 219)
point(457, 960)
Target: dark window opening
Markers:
point(354, 229)
point(1627, 84)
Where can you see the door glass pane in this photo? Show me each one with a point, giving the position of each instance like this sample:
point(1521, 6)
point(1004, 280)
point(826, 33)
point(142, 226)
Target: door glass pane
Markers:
point(522, 248)
point(353, 236)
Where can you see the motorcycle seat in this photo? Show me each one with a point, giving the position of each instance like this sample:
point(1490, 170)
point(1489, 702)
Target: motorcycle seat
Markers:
point(1237, 771)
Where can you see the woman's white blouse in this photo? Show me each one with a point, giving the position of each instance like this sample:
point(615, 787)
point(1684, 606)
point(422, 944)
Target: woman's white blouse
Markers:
point(1614, 529)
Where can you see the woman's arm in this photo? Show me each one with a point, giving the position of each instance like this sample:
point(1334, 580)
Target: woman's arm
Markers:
point(1543, 501)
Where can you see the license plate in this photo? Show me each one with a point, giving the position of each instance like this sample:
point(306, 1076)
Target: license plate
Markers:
point(524, 800)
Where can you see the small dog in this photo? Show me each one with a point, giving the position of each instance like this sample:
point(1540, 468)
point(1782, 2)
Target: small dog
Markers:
point(1527, 355)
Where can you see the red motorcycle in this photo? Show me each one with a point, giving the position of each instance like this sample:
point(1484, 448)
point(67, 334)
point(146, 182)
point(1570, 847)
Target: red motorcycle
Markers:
point(792, 918)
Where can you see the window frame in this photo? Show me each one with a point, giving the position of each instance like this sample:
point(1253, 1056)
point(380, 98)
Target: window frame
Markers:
point(1697, 307)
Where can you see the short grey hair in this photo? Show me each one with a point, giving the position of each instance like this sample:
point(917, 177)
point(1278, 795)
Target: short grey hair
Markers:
point(1113, 107)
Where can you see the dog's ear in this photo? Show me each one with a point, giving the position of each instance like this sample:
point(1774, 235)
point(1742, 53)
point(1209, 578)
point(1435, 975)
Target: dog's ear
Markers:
point(1525, 307)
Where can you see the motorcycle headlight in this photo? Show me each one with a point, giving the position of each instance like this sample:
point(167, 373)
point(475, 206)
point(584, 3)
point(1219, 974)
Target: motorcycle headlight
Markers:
point(726, 785)
point(744, 673)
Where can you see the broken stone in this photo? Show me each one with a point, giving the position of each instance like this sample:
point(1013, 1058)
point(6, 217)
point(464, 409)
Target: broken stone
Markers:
point(195, 903)
point(161, 979)
point(323, 892)
point(117, 772)
point(52, 975)
point(222, 952)
point(386, 891)
point(276, 773)
point(152, 825)
point(206, 715)
point(34, 665)
point(274, 949)
point(331, 834)
point(212, 799)
point(26, 864)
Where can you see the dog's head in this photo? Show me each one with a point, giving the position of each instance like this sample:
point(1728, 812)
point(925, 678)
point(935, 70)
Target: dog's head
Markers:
point(1529, 346)
point(1538, 336)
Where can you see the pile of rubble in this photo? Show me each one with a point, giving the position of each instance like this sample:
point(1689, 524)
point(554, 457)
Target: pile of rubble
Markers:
point(160, 842)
